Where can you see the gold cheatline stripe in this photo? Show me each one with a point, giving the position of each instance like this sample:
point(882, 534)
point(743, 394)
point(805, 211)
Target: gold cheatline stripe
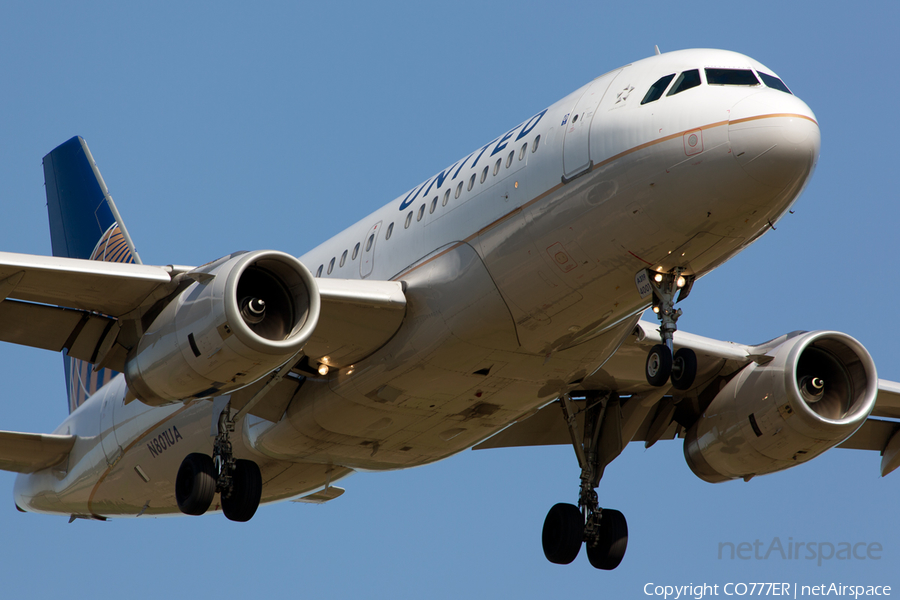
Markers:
point(638, 148)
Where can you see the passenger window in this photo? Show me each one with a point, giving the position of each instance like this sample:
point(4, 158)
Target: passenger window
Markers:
point(656, 90)
point(522, 151)
point(471, 182)
point(408, 220)
point(369, 242)
point(355, 251)
point(773, 82)
point(497, 166)
point(731, 77)
point(685, 81)
point(343, 258)
point(390, 230)
point(484, 174)
point(510, 158)
point(319, 270)
point(458, 190)
point(433, 205)
point(421, 213)
point(446, 197)
point(331, 265)
point(537, 142)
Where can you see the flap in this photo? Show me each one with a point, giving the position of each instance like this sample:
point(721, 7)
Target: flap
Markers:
point(30, 452)
point(322, 496)
point(53, 328)
point(110, 288)
point(887, 404)
point(358, 317)
point(873, 435)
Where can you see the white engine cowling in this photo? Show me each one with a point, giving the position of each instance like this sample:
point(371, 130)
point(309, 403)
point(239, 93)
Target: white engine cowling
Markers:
point(244, 315)
point(817, 390)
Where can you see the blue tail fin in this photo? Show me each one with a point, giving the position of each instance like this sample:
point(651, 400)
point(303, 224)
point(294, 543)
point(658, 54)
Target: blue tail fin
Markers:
point(84, 223)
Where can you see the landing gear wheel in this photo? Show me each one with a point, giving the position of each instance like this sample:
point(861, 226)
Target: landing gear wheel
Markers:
point(195, 484)
point(659, 365)
point(684, 369)
point(610, 546)
point(246, 491)
point(563, 533)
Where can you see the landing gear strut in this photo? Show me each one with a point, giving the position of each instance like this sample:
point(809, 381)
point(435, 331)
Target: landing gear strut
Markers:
point(603, 531)
point(238, 481)
point(663, 363)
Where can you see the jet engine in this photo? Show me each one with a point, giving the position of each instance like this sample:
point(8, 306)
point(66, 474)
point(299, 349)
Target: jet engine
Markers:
point(242, 316)
point(802, 397)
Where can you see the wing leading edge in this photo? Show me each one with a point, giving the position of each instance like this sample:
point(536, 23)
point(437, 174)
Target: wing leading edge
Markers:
point(83, 306)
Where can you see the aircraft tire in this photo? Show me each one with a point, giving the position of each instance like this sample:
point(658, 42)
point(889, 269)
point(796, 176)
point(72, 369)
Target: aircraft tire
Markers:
point(609, 550)
point(659, 365)
point(195, 484)
point(684, 369)
point(241, 505)
point(563, 533)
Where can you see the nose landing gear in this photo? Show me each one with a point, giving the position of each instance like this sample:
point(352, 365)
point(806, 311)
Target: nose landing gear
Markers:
point(663, 363)
point(238, 481)
point(603, 531)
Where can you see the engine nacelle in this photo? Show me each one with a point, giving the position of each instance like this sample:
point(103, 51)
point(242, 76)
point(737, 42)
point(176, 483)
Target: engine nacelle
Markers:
point(244, 315)
point(817, 390)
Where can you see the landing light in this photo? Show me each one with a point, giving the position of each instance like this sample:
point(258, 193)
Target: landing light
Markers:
point(658, 278)
point(656, 309)
point(680, 282)
point(323, 369)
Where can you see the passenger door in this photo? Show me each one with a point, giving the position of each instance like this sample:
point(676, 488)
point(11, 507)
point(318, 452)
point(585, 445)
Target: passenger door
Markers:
point(577, 143)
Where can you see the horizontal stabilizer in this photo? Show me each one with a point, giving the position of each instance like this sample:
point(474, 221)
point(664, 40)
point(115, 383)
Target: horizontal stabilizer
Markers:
point(30, 452)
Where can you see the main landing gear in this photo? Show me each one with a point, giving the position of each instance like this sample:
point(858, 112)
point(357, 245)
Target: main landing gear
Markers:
point(200, 477)
point(662, 364)
point(603, 531)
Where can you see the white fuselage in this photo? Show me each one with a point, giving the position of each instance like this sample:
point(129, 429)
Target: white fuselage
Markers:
point(520, 284)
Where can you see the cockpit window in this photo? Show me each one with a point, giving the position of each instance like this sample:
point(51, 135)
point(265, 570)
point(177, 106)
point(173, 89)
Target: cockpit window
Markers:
point(731, 77)
point(656, 90)
point(773, 82)
point(685, 81)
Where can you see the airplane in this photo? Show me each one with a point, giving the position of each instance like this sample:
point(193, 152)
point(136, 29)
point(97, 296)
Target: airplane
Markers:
point(498, 303)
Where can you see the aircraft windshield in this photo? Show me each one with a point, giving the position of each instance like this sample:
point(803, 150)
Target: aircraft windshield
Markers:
point(773, 82)
point(685, 81)
point(656, 90)
point(731, 77)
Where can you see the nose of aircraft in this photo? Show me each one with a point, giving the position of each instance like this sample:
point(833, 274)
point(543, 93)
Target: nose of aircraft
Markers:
point(774, 137)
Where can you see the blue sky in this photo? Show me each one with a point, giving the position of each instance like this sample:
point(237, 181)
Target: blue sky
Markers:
point(226, 126)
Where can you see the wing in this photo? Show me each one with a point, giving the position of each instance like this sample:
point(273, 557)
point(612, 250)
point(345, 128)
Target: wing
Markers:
point(65, 303)
point(654, 416)
point(94, 309)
